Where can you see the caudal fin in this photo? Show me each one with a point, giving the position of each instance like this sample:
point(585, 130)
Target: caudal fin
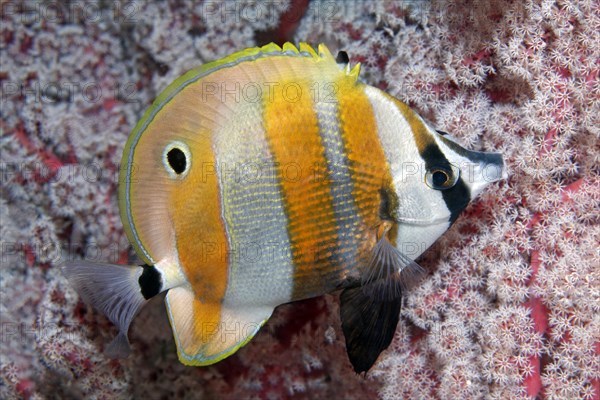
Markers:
point(112, 289)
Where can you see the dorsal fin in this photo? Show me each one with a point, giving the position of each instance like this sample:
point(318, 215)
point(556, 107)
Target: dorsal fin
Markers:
point(303, 49)
point(253, 53)
point(342, 58)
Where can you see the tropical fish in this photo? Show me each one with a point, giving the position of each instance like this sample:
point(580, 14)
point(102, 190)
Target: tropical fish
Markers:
point(275, 175)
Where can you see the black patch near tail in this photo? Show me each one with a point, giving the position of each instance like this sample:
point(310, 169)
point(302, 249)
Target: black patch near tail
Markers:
point(368, 324)
point(150, 281)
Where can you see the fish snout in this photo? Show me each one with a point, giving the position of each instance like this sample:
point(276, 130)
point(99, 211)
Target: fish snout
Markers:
point(487, 168)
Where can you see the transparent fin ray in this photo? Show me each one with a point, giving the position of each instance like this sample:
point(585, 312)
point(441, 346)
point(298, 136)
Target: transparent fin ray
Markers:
point(390, 272)
point(112, 289)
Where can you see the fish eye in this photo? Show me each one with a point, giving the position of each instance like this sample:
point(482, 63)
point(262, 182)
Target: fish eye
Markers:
point(177, 159)
point(442, 178)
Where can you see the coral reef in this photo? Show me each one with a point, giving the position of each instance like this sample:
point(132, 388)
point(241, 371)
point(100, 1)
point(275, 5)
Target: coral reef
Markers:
point(511, 305)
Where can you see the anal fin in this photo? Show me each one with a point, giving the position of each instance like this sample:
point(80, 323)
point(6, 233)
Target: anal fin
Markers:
point(206, 333)
point(368, 324)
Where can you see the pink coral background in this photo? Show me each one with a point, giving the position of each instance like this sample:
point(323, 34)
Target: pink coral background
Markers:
point(511, 304)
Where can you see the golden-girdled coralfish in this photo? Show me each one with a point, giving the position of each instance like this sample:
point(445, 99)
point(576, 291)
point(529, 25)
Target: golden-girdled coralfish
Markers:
point(275, 175)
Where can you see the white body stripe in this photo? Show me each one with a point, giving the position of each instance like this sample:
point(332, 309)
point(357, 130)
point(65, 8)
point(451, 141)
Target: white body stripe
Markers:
point(422, 214)
point(338, 170)
point(260, 259)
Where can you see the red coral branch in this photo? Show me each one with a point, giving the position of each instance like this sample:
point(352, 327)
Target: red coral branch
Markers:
point(49, 159)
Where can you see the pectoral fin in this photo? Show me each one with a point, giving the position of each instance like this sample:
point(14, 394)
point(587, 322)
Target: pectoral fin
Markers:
point(206, 333)
point(390, 272)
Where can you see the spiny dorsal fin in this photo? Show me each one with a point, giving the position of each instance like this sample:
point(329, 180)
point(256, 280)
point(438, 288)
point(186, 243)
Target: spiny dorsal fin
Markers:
point(249, 54)
point(272, 49)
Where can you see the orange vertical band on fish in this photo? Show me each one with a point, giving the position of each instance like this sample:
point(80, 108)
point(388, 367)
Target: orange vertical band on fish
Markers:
point(308, 201)
point(368, 165)
point(273, 175)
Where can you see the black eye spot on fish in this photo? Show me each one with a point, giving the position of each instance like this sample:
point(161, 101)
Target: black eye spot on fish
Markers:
point(177, 160)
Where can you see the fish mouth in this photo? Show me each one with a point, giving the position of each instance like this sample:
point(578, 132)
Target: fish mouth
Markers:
point(491, 165)
point(487, 168)
point(494, 168)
